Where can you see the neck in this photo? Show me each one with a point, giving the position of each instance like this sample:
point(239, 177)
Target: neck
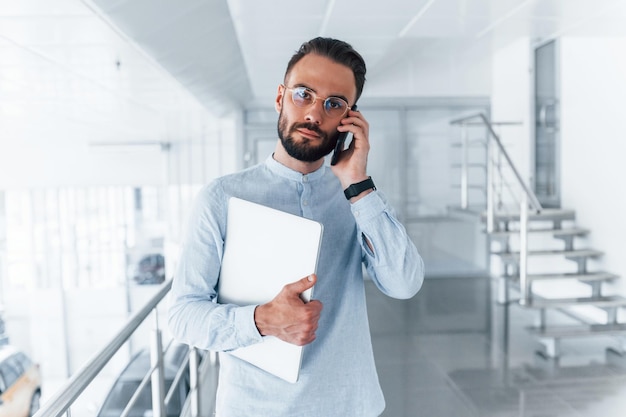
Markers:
point(281, 155)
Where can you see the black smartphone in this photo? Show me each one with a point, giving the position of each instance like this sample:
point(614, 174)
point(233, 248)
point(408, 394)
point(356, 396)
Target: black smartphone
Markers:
point(341, 140)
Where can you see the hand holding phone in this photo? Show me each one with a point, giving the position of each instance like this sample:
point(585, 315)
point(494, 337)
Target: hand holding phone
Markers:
point(339, 146)
point(350, 164)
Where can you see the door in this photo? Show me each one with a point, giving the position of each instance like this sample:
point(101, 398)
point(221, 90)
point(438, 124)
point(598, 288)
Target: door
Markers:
point(546, 155)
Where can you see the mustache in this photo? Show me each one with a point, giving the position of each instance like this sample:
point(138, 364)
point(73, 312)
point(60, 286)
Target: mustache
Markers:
point(309, 126)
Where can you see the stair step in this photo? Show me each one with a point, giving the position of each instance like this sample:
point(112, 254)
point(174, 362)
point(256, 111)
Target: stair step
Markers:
point(580, 253)
point(574, 231)
point(470, 144)
point(578, 330)
point(586, 277)
point(473, 186)
point(545, 214)
point(601, 302)
point(474, 211)
point(470, 165)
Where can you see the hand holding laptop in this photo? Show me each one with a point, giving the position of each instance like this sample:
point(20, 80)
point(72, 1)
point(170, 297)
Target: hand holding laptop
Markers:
point(288, 317)
point(264, 251)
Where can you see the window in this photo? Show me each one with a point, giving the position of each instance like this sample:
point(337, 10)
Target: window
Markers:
point(74, 237)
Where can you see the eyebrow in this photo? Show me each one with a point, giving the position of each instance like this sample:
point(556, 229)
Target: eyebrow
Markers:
point(315, 91)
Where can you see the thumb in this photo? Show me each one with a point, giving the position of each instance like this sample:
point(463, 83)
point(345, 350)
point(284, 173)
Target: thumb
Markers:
point(300, 286)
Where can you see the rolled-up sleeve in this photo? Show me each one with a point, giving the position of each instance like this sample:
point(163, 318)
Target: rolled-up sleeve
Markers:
point(392, 260)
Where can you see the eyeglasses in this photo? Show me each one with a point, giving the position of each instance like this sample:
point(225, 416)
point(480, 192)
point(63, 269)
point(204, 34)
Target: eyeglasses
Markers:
point(334, 107)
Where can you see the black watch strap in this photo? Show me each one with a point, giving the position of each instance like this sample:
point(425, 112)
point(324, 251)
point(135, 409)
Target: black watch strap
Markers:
point(356, 189)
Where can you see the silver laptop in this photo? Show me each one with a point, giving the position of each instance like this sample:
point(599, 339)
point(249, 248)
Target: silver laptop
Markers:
point(266, 249)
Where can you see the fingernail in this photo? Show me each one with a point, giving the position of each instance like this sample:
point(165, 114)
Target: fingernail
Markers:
point(310, 278)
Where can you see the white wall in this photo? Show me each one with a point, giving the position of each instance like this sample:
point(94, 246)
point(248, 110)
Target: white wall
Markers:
point(430, 72)
point(511, 91)
point(593, 137)
point(80, 165)
point(209, 151)
point(202, 146)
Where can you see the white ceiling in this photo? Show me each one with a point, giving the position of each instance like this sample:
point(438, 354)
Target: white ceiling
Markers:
point(137, 70)
point(385, 30)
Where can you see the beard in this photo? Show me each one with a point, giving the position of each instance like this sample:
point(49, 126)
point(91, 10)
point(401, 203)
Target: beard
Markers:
point(303, 150)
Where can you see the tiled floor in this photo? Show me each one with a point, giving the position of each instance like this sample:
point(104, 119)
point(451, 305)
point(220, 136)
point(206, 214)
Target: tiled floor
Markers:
point(449, 353)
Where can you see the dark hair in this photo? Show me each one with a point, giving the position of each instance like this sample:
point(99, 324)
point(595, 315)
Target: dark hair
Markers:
point(336, 50)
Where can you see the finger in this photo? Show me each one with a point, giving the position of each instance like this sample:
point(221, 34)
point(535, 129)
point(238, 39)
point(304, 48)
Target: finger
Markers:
point(316, 306)
point(358, 127)
point(349, 122)
point(355, 118)
point(300, 286)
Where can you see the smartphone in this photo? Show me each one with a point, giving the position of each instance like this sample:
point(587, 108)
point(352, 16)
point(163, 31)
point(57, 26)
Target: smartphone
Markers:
point(341, 140)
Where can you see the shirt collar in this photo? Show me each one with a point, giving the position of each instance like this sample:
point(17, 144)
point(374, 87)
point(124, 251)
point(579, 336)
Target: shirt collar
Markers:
point(285, 172)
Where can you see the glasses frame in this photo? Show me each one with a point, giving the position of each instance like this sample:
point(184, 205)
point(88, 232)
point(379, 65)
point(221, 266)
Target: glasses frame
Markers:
point(315, 97)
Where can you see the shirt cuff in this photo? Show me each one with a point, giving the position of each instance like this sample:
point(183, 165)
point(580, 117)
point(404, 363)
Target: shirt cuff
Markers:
point(368, 207)
point(247, 332)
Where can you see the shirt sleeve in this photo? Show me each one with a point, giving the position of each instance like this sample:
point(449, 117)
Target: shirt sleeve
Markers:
point(194, 316)
point(391, 259)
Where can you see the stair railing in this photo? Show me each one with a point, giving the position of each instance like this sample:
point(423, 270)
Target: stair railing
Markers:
point(62, 401)
point(528, 198)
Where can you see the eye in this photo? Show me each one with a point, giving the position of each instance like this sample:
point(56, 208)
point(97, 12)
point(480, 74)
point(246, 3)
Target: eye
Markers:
point(302, 94)
point(336, 103)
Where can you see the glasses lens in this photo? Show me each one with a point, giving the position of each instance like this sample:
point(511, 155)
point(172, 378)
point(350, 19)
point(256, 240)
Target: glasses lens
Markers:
point(301, 97)
point(335, 106)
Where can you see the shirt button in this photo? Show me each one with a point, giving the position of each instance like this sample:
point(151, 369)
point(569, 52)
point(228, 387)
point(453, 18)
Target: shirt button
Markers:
point(305, 178)
point(305, 202)
point(356, 213)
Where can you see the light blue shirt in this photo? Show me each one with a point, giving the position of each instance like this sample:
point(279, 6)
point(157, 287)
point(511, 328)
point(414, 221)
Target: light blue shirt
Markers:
point(338, 375)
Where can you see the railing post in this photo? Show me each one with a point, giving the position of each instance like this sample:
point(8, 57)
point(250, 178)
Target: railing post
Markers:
point(158, 376)
point(194, 381)
point(491, 215)
point(464, 168)
point(532, 197)
point(525, 295)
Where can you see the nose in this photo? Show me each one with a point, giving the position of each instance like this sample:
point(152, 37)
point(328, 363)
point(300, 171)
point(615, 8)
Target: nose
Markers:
point(315, 112)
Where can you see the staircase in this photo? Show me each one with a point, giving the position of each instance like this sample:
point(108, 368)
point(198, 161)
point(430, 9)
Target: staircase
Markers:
point(535, 248)
point(553, 224)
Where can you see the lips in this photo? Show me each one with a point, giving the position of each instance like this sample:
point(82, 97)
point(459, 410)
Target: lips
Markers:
point(309, 130)
point(308, 133)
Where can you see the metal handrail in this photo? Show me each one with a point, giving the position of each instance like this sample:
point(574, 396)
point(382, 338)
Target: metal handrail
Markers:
point(532, 198)
point(65, 397)
point(528, 196)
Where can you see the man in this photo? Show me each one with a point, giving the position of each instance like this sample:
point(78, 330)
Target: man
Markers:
point(324, 79)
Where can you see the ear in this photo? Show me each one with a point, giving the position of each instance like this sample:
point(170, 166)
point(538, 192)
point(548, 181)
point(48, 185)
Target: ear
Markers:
point(278, 104)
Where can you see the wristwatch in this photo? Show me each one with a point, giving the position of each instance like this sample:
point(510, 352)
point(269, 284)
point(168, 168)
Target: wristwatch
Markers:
point(356, 189)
